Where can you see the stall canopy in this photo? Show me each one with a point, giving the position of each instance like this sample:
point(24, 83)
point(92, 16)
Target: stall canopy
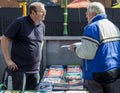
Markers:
point(117, 5)
point(78, 4)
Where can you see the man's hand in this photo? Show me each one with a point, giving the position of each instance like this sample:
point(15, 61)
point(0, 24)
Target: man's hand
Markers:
point(72, 47)
point(11, 65)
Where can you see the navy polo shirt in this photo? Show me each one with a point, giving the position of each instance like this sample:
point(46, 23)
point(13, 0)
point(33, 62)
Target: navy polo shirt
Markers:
point(26, 39)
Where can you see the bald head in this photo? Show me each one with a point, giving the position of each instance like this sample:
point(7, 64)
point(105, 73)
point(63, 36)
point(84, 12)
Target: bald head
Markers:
point(35, 6)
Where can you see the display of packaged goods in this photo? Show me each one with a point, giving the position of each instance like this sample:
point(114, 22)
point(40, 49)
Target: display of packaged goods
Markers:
point(54, 73)
point(73, 68)
point(60, 86)
point(75, 82)
point(75, 85)
point(52, 79)
point(80, 87)
point(45, 86)
point(61, 79)
point(59, 67)
point(73, 76)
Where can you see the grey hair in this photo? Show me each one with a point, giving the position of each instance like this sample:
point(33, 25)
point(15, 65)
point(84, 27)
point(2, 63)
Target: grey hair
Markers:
point(96, 7)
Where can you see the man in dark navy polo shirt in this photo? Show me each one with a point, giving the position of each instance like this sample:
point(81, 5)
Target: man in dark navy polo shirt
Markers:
point(26, 34)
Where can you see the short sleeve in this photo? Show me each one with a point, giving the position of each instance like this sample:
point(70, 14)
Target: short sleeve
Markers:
point(12, 29)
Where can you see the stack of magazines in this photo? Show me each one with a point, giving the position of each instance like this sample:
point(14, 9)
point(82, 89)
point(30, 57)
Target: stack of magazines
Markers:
point(45, 86)
point(62, 78)
point(74, 77)
point(54, 74)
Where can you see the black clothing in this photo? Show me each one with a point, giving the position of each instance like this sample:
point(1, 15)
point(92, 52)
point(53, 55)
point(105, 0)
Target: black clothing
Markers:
point(14, 80)
point(26, 43)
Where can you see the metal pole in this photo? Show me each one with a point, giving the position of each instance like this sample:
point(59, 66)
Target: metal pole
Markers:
point(23, 5)
point(65, 32)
